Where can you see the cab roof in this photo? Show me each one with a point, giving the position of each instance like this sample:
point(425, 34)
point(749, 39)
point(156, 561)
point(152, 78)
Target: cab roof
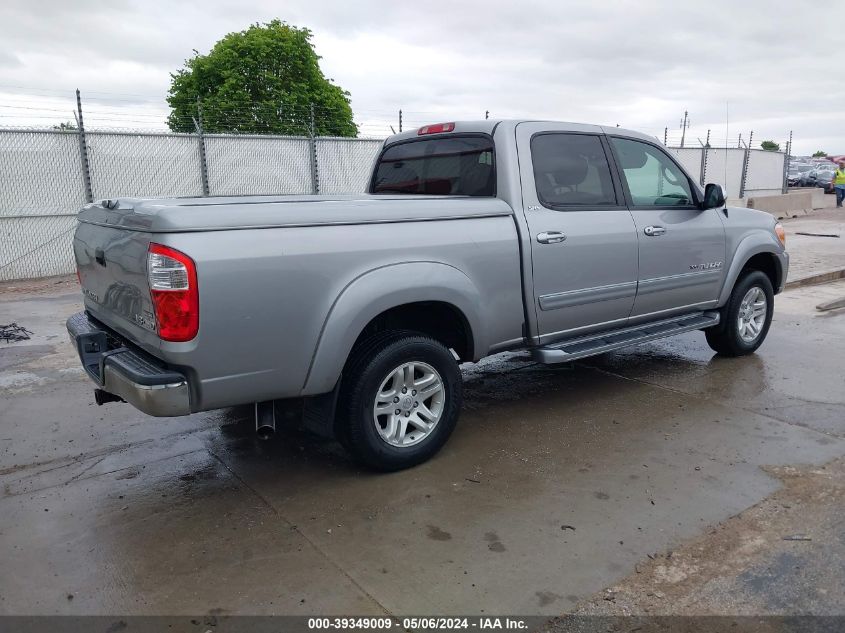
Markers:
point(489, 126)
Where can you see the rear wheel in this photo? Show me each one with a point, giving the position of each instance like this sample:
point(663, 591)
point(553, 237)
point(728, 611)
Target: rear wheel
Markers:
point(746, 317)
point(399, 400)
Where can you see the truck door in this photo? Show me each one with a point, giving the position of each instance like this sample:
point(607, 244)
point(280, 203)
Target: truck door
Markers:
point(682, 247)
point(583, 239)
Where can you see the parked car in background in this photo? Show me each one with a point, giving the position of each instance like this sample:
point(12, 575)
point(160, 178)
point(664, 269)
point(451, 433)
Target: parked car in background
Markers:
point(793, 177)
point(810, 178)
point(802, 169)
point(807, 179)
point(824, 179)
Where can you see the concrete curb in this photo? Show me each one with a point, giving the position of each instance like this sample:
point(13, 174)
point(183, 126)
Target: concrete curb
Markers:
point(831, 305)
point(817, 278)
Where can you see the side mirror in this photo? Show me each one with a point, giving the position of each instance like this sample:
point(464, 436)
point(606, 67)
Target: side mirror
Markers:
point(713, 196)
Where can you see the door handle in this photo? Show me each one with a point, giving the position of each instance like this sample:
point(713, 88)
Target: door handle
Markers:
point(654, 231)
point(550, 237)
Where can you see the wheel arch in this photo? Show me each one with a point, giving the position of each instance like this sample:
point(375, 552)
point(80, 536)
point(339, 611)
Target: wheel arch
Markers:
point(767, 263)
point(755, 252)
point(429, 297)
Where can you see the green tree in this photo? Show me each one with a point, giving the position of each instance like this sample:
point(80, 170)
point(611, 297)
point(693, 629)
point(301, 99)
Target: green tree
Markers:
point(68, 125)
point(770, 146)
point(264, 80)
point(820, 154)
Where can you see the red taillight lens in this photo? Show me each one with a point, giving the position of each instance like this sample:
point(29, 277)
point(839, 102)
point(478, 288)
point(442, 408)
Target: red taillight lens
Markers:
point(173, 286)
point(436, 128)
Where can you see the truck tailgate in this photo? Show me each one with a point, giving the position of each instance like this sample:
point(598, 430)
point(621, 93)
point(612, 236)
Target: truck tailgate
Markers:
point(112, 264)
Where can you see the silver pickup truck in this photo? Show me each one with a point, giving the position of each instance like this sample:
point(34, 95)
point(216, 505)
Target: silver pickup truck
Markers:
point(564, 239)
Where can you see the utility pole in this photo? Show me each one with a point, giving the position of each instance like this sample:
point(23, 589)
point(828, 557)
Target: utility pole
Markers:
point(684, 126)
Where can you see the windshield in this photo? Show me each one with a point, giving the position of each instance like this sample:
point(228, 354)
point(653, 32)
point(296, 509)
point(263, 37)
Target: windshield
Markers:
point(454, 165)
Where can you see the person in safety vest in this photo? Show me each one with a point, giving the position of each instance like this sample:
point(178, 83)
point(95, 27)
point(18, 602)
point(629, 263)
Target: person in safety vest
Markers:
point(839, 183)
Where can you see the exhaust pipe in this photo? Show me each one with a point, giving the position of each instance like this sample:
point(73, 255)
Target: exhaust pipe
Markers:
point(102, 397)
point(265, 419)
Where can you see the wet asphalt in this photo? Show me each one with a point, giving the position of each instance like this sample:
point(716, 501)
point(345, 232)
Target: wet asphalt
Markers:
point(557, 482)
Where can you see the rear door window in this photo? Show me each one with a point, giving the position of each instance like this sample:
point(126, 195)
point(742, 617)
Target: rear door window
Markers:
point(457, 165)
point(571, 170)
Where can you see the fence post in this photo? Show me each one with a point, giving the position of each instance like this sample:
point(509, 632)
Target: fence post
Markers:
point(704, 149)
point(745, 158)
point(666, 137)
point(201, 146)
point(83, 150)
point(786, 156)
point(315, 173)
point(702, 174)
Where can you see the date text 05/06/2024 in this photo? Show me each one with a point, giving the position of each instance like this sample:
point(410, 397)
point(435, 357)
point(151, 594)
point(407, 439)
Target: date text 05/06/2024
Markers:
point(416, 623)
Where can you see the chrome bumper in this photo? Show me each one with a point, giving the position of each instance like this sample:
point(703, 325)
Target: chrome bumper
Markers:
point(125, 371)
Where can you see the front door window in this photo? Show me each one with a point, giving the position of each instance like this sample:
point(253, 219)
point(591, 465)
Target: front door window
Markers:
point(654, 180)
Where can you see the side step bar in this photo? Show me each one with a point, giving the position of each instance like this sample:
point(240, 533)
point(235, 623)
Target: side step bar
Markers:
point(584, 346)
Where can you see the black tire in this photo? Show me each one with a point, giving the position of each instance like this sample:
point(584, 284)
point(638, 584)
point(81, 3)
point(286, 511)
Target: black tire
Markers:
point(725, 338)
point(368, 366)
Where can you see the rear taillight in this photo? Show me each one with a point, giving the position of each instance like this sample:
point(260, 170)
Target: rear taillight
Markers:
point(173, 286)
point(437, 128)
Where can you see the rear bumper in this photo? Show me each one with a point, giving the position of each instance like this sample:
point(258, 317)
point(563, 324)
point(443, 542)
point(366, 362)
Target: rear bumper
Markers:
point(123, 370)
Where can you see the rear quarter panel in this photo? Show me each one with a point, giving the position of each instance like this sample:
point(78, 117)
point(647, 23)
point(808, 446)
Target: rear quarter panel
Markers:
point(266, 295)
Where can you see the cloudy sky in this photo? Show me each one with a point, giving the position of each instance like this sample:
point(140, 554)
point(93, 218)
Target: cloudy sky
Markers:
point(770, 66)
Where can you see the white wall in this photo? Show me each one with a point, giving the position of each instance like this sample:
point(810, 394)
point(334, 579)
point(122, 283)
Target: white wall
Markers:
point(724, 167)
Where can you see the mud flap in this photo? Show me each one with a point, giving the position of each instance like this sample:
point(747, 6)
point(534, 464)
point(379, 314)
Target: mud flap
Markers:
point(318, 413)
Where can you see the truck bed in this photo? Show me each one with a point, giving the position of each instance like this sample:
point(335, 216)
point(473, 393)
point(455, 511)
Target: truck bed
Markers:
point(272, 270)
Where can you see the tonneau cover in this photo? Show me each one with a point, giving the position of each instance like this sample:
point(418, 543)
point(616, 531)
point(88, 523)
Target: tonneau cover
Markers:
point(172, 215)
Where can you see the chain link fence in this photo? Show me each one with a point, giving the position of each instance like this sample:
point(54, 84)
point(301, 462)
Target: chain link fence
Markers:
point(43, 177)
point(243, 165)
point(40, 173)
point(343, 162)
point(132, 165)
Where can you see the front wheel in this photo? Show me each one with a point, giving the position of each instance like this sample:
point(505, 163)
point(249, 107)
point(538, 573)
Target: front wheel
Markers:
point(399, 401)
point(746, 317)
